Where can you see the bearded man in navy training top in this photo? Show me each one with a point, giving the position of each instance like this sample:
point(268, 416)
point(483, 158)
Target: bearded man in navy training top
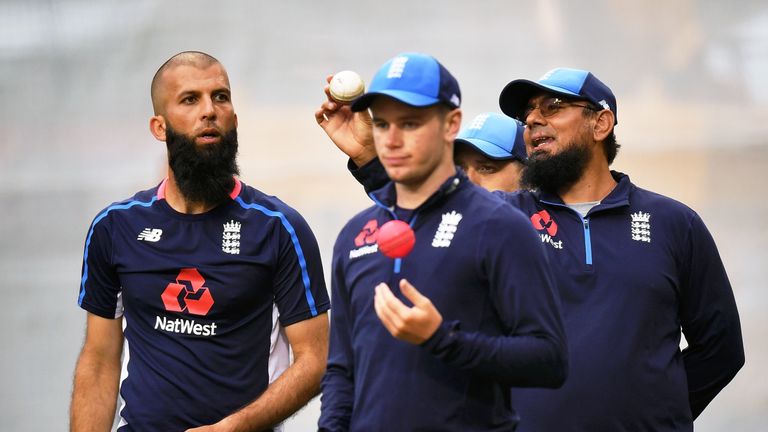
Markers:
point(192, 275)
point(634, 269)
point(433, 340)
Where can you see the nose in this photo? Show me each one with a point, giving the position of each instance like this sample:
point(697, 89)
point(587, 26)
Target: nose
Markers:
point(208, 111)
point(534, 117)
point(393, 137)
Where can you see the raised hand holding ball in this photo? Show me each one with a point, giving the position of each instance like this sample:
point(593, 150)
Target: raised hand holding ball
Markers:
point(346, 86)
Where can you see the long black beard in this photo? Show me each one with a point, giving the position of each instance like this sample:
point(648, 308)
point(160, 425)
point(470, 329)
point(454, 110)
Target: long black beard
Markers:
point(204, 174)
point(551, 174)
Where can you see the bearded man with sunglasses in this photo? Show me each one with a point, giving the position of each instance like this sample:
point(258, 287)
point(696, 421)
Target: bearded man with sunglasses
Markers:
point(634, 270)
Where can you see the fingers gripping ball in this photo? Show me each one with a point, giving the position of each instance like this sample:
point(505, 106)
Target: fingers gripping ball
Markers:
point(346, 86)
point(396, 239)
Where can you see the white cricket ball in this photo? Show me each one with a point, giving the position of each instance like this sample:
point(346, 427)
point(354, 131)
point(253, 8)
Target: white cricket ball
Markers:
point(346, 86)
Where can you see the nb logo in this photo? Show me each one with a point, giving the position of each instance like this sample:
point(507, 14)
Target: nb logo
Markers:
point(150, 234)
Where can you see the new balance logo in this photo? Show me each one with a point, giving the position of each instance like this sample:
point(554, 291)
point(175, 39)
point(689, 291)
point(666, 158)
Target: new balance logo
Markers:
point(150, 234)
point(397, 67)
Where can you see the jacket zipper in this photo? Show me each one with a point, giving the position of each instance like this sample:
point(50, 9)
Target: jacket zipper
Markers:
point(585, 226)
point(587, 241)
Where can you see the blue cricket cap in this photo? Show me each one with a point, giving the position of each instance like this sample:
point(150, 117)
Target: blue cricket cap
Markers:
point(571, 83)
point(495, 136)
point(415, 79)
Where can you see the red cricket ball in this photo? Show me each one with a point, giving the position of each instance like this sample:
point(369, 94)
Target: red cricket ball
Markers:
point(396, 239)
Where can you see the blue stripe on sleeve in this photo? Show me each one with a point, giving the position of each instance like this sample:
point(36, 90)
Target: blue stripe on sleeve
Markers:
point(90, 234)
point(296, 245)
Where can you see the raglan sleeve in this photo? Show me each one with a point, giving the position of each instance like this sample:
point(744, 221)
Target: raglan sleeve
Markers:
point(99, 282)
point(532, 352)
point(299, 285)
point(710, 319)
point(337, 386)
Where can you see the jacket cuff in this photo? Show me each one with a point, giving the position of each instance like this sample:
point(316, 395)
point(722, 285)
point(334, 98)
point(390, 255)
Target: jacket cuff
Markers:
point(443, 338)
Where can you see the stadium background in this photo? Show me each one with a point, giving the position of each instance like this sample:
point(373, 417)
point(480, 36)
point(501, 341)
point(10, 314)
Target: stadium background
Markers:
point(74, 84)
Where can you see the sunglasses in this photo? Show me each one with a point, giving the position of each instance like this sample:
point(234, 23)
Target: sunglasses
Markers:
point(551, 106)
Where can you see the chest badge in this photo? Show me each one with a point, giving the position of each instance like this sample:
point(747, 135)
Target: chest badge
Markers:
point(230, 238)
point(641, 227)
point(447, 229)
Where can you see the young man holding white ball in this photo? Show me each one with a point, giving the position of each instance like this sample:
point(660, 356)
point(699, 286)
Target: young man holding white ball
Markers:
point(484, 317)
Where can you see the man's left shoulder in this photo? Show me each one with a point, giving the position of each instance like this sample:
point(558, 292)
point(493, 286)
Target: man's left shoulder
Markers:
point(643, 200)
point(253, 198)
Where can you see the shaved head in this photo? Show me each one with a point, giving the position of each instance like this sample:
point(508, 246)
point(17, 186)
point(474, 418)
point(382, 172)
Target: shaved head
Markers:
point(196, 59)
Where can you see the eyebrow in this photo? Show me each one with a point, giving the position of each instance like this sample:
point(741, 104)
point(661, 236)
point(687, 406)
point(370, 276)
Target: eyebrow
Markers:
point(193, 92)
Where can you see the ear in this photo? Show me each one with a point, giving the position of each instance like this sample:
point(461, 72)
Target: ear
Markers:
point(157, 127)
point(452, 124)
point(604, 122)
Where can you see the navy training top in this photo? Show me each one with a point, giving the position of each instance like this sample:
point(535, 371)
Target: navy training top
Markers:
point(197, 294)
point(633, 272)
point(483, 267)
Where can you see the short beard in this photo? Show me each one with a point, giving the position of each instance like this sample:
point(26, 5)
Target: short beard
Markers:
point(204, 174)
point(552, 174)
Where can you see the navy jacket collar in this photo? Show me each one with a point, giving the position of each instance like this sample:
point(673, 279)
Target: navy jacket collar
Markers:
point(386, 196)
point(618, 197)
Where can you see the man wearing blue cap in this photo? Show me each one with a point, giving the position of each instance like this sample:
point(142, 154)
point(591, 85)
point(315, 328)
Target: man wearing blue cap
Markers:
point(634, 270)
point(491, 151)
point(486, 317)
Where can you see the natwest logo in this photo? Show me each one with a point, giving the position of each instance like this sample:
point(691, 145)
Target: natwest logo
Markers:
point(368, 234)
point(365, 241)
point(188, 294)
point(542, 221)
